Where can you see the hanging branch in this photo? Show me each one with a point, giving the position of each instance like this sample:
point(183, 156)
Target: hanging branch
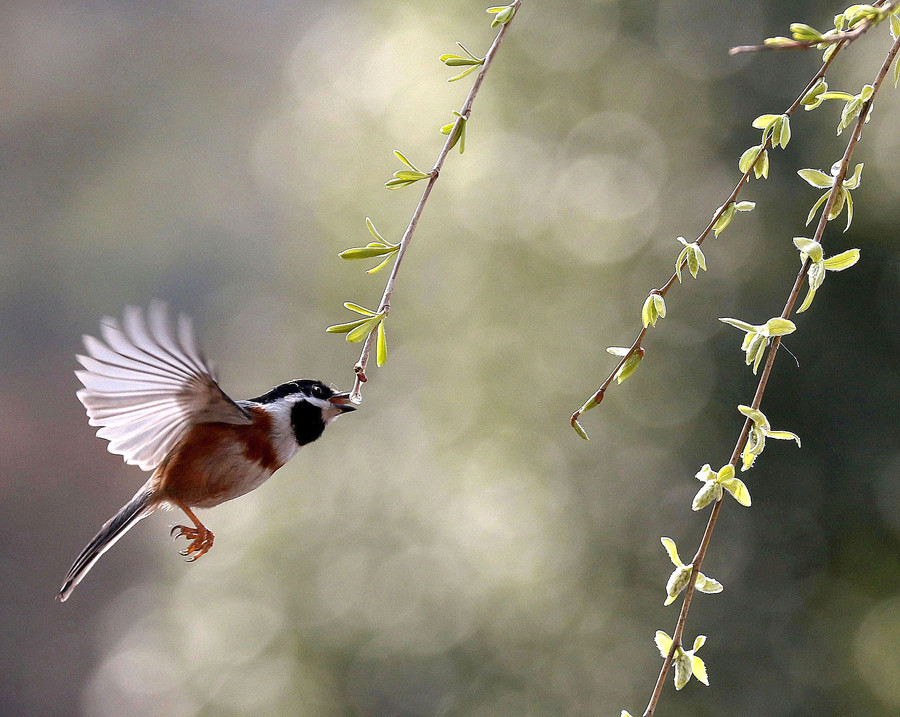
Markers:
point(804, 37)
point(371, 327)
point(755, 161)
point(756, 428)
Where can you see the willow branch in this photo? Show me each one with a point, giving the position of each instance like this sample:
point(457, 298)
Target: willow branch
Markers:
point(464, 112)
point(636, 345)
point(764, 377)
point(829, 39)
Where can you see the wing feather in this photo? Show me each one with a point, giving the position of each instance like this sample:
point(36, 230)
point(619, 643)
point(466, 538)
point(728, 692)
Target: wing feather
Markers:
point(146, 382)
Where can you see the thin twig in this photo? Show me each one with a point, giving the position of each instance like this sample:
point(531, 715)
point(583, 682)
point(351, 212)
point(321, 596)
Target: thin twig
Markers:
point(848, 35)
point(466, 110)
point(764, 377)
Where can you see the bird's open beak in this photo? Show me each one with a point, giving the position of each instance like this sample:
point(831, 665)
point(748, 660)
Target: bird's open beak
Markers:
point(341, 401)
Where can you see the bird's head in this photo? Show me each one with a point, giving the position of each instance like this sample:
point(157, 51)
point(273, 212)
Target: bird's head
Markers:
point(310, 404)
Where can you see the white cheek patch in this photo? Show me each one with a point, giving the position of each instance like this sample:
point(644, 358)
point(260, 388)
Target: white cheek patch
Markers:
point(283, 440)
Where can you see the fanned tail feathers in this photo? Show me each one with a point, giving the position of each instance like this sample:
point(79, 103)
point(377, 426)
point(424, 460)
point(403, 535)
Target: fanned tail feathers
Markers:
point(132, 512)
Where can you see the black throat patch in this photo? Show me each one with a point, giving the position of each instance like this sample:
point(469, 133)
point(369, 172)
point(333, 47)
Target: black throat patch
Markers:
point(307, 422)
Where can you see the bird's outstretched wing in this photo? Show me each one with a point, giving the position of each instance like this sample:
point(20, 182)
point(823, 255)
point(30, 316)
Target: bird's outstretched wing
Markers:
point(146, 382)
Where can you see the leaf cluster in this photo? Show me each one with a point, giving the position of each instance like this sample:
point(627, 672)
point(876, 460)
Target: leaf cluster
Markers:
point(359, 330)
point(757, 337)
point(817, 178)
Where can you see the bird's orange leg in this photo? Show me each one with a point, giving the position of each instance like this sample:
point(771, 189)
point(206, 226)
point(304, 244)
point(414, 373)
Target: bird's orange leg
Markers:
point(200, 536)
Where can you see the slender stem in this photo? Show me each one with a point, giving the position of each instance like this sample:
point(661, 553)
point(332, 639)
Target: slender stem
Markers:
point(465, 111)
point(849, 36)
point(764, 378)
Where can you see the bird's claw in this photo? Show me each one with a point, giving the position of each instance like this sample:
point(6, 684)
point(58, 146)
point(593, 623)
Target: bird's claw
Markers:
point(201, 541)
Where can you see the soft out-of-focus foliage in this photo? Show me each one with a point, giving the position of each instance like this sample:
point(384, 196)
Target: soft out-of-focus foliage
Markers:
point(451, 548)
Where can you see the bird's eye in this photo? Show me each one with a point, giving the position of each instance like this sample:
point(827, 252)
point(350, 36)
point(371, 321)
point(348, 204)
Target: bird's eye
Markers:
point(318, 391)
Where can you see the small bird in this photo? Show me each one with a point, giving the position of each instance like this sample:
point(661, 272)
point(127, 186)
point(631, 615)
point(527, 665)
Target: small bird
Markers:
point(158, 403)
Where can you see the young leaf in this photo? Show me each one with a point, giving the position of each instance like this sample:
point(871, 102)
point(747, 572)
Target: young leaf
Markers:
point(805, 33)
point(502, 14)
point(370, 225)
point(364, 329)
point(579, 429)
point(815, 208)
point(852, 182)
point(738, 489)
point(663, 643)
point(344, 328)
point(817, 178)
point(807, 302)
point(381, 266)
point(358, 309)
point(742, 325)
point(842, 261)
point(810, 248)
point(381, 345)
point(779, 327)
point(699, 669)
point(813, 98)
point(402, 157)
point(765, 121)
point(367, 252)
point(631, 363)
point(761, 168)
point(724, 219)
point(749, 158)
point(784, 136)
point(467, 71)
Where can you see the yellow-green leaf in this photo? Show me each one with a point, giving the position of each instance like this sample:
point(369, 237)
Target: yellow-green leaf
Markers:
point(370, 225)
point(852, 182)
point(707, 585)
point(807, 302)
point(738, 489)
point(748, 158)
point(784, 436)
point(366, 252)
point(381, 345)
point(579, 429)
point(344, 328)
point(765, 121)
point(742, 325)
point(381, 265)
point(630, 365)
point(842, 261)
point(780, 327)
point(402, 157)
point(710, 491)
point(683, 667)
point(816, 178)
point(754, 414)
point(811, 248)
point(669, 545)
point(663, 643)
point(815, 208)
point(358, 309)
point(761, 168)
point(724, 219)
point(699, 669)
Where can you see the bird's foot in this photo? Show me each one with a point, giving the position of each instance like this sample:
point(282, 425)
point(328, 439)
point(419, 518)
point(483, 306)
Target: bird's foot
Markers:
point(201, 540)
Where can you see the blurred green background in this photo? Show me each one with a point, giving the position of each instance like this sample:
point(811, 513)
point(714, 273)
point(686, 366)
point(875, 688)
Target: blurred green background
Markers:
point(453, 548)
